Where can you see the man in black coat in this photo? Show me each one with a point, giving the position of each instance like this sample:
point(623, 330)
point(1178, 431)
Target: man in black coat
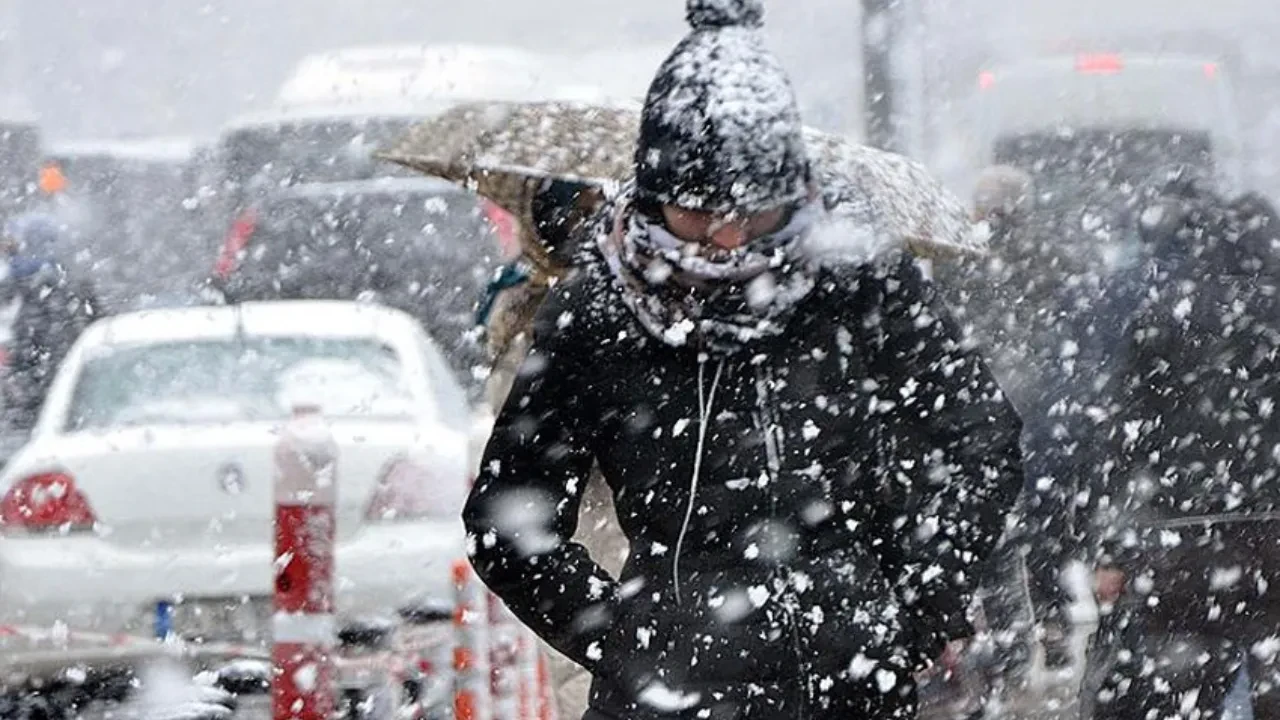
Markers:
point(54, 309)
point(1012, 301)
point(808, 462)
point(1191, 495)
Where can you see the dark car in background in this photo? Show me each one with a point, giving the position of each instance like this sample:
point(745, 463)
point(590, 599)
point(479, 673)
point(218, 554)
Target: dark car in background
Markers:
point(1094, 129)
point(1137, 105)
point(130, 209)
point(257, 157)
point(422, 245)
point(19, 158)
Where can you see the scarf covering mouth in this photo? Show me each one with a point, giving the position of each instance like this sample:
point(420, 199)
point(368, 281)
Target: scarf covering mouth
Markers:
point(720, 302)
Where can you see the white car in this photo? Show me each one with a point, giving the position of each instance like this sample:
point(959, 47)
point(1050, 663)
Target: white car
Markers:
point(433, 78)
point(144, 497)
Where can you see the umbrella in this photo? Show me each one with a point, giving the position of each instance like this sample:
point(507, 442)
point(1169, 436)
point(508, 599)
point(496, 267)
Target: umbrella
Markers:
point(893, 196)
point(508, 152)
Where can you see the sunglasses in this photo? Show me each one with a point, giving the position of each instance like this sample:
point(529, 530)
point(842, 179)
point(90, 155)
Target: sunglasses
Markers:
point(702, 228)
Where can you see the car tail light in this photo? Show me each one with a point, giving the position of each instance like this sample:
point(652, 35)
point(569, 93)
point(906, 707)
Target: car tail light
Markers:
point(1211, 70)
point(1100, 64)
point(986, 79)
point(48, 502)
point(236, 241)
point(507, 228)
point(406, 491)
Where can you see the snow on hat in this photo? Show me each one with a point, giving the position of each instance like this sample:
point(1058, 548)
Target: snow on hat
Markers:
point(721, 129)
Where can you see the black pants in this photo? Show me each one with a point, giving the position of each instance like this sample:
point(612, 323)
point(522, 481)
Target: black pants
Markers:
point(1135, 669)
point(1194, 613)
point(1017, 596)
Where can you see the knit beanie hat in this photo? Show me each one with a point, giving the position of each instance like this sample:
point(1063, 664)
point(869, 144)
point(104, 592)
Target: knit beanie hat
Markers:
point(721, 129)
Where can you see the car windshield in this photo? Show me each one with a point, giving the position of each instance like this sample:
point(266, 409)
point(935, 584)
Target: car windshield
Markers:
point(1087, 181)
point(1102, 158)
point(256, 379)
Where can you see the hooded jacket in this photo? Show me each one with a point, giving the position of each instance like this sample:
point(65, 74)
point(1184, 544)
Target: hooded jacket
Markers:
point(813, 507)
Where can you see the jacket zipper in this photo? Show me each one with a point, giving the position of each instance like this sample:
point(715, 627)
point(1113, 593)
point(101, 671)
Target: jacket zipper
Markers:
point(775, 446)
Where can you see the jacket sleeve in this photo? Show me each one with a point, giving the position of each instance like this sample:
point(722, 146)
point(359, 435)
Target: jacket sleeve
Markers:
point(1148, 401)
point(523, 510)
point(952, 450)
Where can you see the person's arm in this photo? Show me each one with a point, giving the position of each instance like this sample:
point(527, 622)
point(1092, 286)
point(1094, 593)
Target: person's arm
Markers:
point(1147, 399)
point(523, 510)
point(955, 459)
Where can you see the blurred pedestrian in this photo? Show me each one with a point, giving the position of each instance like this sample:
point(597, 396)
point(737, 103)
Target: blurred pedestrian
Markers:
point(806, 460)
point(1010, 301)
point(1190, 496)
point(54, 308)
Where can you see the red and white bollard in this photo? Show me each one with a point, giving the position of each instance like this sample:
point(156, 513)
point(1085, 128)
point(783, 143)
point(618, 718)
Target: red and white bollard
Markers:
point(504, 659)
point(528, 669)
point(304, 634)
point(546, 695)
point(471, 689)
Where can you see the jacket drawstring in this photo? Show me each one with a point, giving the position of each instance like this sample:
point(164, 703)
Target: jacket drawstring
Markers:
point(705, 403)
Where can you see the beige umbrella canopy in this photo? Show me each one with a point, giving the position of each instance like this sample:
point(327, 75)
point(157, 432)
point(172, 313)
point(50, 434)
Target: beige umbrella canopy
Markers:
point(507, 151)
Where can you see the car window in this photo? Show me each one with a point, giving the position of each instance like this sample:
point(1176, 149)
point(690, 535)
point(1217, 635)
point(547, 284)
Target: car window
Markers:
point(1104, 158)
point(256, 379)
point(1086, 183)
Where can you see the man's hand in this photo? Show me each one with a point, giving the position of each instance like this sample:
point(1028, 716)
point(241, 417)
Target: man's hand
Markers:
point(1108, 584)
point(947, 663)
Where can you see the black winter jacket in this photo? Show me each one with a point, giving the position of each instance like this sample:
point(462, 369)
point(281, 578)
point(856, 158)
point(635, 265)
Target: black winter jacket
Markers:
point(1193, 498)
point(1196, 431)
point(812, 508)
point(1193, 490)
